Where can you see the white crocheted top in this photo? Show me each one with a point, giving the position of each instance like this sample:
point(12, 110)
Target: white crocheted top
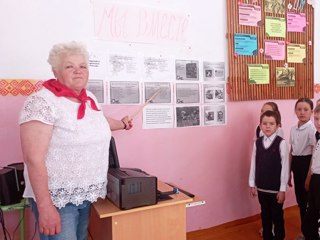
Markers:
point(77, 158)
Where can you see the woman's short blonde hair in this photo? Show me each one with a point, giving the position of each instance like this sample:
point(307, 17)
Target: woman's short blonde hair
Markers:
point(60, 50)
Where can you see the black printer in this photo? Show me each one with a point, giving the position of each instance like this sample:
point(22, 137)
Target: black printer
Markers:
point(129, 187)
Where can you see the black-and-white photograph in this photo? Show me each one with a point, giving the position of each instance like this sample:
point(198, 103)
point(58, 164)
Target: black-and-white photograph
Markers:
point(220, 116)
point(124, 93)
point(160, 91)
point(286, 77)
point(188, 116)
point(275, 6)
point(208, 73)
point(213, 71)
point(214, 93)
point(214, 115)
point(96, 87)
point(187, 93)
point(187, 70)
point(209, 115)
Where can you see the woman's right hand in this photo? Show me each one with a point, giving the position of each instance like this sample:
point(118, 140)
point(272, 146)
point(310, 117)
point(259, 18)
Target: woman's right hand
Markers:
point(49, 221)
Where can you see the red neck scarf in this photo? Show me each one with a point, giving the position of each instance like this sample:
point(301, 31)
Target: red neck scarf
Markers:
point(61, 90)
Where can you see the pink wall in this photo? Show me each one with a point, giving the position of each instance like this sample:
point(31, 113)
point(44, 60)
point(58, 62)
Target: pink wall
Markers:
point(211, 162)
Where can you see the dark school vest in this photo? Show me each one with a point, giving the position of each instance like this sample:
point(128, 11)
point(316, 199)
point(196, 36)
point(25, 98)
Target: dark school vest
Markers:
point(268, 165)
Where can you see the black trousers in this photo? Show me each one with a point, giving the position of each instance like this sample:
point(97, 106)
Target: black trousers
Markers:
point(310, 224)
point(300, 167)
point(271, 214)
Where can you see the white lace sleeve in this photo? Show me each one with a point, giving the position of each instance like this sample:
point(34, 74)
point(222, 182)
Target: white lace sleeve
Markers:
point(37, 108)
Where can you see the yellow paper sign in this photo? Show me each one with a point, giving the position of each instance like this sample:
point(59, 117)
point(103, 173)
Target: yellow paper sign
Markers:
point(259, 73)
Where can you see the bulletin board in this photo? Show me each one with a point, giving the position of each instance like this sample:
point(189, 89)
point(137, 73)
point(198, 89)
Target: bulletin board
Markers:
point(270, 49)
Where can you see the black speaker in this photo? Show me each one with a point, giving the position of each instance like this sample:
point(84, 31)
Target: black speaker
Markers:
point(9, 193)
point(19, 167)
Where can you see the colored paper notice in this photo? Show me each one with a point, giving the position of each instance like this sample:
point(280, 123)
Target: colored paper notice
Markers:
point(259, 73)
point(296, 22)
point(285, 77)
point(19, 87)
point(275, 27)
point(296, 53)
point(275, 50)
point(245, 44)
point(274, 6)
point(249, 15)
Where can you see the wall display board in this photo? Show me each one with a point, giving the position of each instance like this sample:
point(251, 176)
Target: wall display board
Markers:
point(270, 49)
point(135, 50)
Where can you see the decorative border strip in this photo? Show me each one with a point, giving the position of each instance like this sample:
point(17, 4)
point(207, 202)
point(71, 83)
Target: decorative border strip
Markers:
point(19, 87)
point(24, 87)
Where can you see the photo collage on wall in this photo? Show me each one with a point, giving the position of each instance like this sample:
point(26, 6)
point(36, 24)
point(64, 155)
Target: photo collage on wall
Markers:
point(168, 92)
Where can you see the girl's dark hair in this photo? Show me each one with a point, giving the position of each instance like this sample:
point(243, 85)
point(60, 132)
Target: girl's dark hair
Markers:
point(271, 114)
point(273, 105)
point(275, 108)
point(317, 109)
point(306, 100)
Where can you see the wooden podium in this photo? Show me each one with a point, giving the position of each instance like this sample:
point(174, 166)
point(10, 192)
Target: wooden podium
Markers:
point(163, 221)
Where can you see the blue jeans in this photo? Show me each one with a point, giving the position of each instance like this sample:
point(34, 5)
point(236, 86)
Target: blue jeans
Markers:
point(74, 221)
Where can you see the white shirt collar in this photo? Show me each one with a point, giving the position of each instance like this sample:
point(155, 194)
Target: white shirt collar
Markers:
point(304, 125)
point(271, 138)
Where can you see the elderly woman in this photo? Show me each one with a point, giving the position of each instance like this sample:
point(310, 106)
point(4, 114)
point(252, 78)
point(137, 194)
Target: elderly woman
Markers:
point(65, 143)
